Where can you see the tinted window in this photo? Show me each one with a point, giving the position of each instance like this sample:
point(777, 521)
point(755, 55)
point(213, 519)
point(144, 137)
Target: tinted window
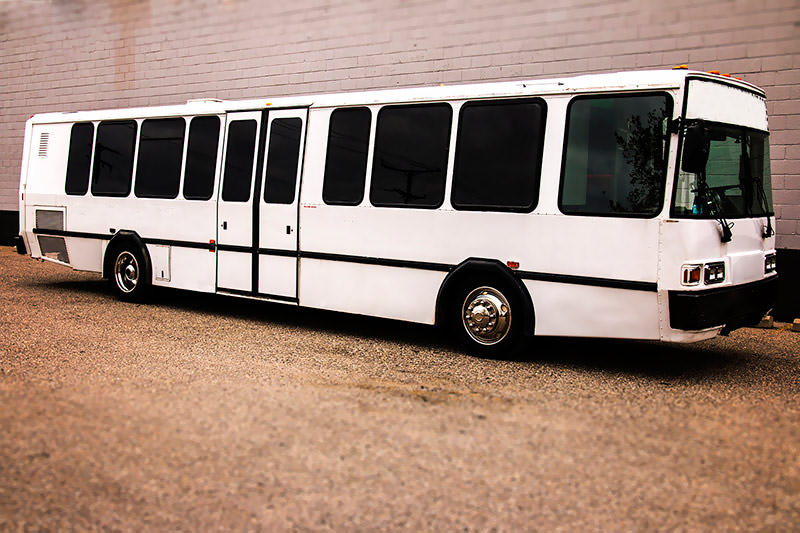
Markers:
point(113, 158)
point(410, 161)
point(346, 161)
point(239, 161)
point(614, 160)
point(499, 155)
point(80, 158)
point(158, 165)
point(282, 159)
point(201, 158)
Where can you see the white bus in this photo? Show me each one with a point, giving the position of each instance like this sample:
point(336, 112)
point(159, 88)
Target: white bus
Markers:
point(630, 205)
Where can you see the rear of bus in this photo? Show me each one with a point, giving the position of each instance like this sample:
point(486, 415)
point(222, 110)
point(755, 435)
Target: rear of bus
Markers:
point(718, 244)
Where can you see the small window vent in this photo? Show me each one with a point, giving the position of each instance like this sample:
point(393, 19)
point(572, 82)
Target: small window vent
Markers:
point(44, 140)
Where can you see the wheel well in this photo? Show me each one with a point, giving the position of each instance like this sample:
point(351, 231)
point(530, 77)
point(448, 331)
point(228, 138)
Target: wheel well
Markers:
point(484, 270)
point(128, 240)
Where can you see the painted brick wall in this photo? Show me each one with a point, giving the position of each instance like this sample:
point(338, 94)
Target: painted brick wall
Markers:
point(66, 55)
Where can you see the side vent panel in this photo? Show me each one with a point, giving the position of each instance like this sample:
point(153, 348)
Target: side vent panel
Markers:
point(52, 247)
point(49, 219)
point(44, 142)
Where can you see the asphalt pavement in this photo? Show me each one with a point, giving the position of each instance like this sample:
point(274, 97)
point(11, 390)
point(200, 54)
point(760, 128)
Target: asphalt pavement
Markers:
point(201, 412)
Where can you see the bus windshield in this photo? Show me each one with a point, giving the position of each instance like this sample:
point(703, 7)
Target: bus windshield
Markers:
point(735, 180)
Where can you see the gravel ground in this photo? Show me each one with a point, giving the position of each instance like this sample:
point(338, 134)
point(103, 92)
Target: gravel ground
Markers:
point(203, 412)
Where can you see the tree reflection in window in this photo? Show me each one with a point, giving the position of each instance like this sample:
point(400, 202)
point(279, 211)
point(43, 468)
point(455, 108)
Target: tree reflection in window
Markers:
point(643, 149)
point(614, 162)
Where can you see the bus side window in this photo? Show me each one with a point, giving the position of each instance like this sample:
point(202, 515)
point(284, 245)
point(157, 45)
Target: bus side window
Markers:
point(499, 155)
point(79, 159)
point(158, 165)
point(282, 160)
point(239, 160)
point(346, 159)
point(113, 158)
point(201, 158)
point(614, 158)
point(410, 162)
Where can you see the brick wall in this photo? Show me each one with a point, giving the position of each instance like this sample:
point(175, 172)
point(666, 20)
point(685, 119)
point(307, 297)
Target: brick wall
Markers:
point(66, 55)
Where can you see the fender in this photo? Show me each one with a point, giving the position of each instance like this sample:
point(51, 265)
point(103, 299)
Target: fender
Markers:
point(489, 268)
point(128, 239)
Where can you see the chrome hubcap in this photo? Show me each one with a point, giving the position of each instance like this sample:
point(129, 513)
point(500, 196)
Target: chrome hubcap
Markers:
point(126, 272)
point(486, 315)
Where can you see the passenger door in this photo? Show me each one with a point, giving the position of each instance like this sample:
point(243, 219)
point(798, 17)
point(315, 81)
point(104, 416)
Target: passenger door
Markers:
point(257, 217)
point(235, 212)
point(277, 227)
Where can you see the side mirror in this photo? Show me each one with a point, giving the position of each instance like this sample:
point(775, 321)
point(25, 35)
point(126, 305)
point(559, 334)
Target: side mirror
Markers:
point(696, 145)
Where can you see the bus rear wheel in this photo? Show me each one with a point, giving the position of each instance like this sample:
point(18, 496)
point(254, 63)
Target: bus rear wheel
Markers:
point(129, 277)
point(484, 319)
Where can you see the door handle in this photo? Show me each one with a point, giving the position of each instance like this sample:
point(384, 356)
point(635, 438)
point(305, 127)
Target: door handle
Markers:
point(224, 224)
point(288, 230)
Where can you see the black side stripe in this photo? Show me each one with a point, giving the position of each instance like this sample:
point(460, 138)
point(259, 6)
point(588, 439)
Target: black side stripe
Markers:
point(258, 294)
point(279, 253)
point(420, 265)
point(647, 286)
point(64, 233)
point(234, 248)
point(182, 244)
point(106, 237)
point(586, 280)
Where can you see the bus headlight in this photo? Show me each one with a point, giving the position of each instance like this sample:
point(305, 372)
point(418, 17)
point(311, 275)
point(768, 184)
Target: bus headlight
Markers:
point(714, 273)
point(769, 264)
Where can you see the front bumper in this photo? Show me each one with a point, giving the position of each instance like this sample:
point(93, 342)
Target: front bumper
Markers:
point(733, 307)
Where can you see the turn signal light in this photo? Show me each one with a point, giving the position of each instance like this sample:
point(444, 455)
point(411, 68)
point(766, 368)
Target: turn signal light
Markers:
point(512, 264)
point(680, 67)
point(690, 274)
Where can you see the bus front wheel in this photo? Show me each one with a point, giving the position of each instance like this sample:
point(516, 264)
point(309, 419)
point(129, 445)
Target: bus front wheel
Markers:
point(487, 318)
point(129, 277)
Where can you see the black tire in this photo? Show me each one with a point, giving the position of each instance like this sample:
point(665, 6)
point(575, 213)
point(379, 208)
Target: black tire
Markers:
point(128, 273)
point(486, 317)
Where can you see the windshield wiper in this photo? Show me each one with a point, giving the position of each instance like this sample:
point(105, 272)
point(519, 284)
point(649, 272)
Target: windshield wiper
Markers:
point(762, 199)
point(712, 202)
point(746, 179)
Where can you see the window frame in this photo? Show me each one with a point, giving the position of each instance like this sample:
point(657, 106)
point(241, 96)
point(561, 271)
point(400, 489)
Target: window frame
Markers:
point(134, 155)
point(91, 159)
point(182, 164)
point(670, 101)
point(374, 146)
point(254, 157)
point(538, 170)
point(217, 158)
point(298, 161)
point(367, 171)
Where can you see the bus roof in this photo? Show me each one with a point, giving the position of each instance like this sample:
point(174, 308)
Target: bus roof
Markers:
point(587, 83)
